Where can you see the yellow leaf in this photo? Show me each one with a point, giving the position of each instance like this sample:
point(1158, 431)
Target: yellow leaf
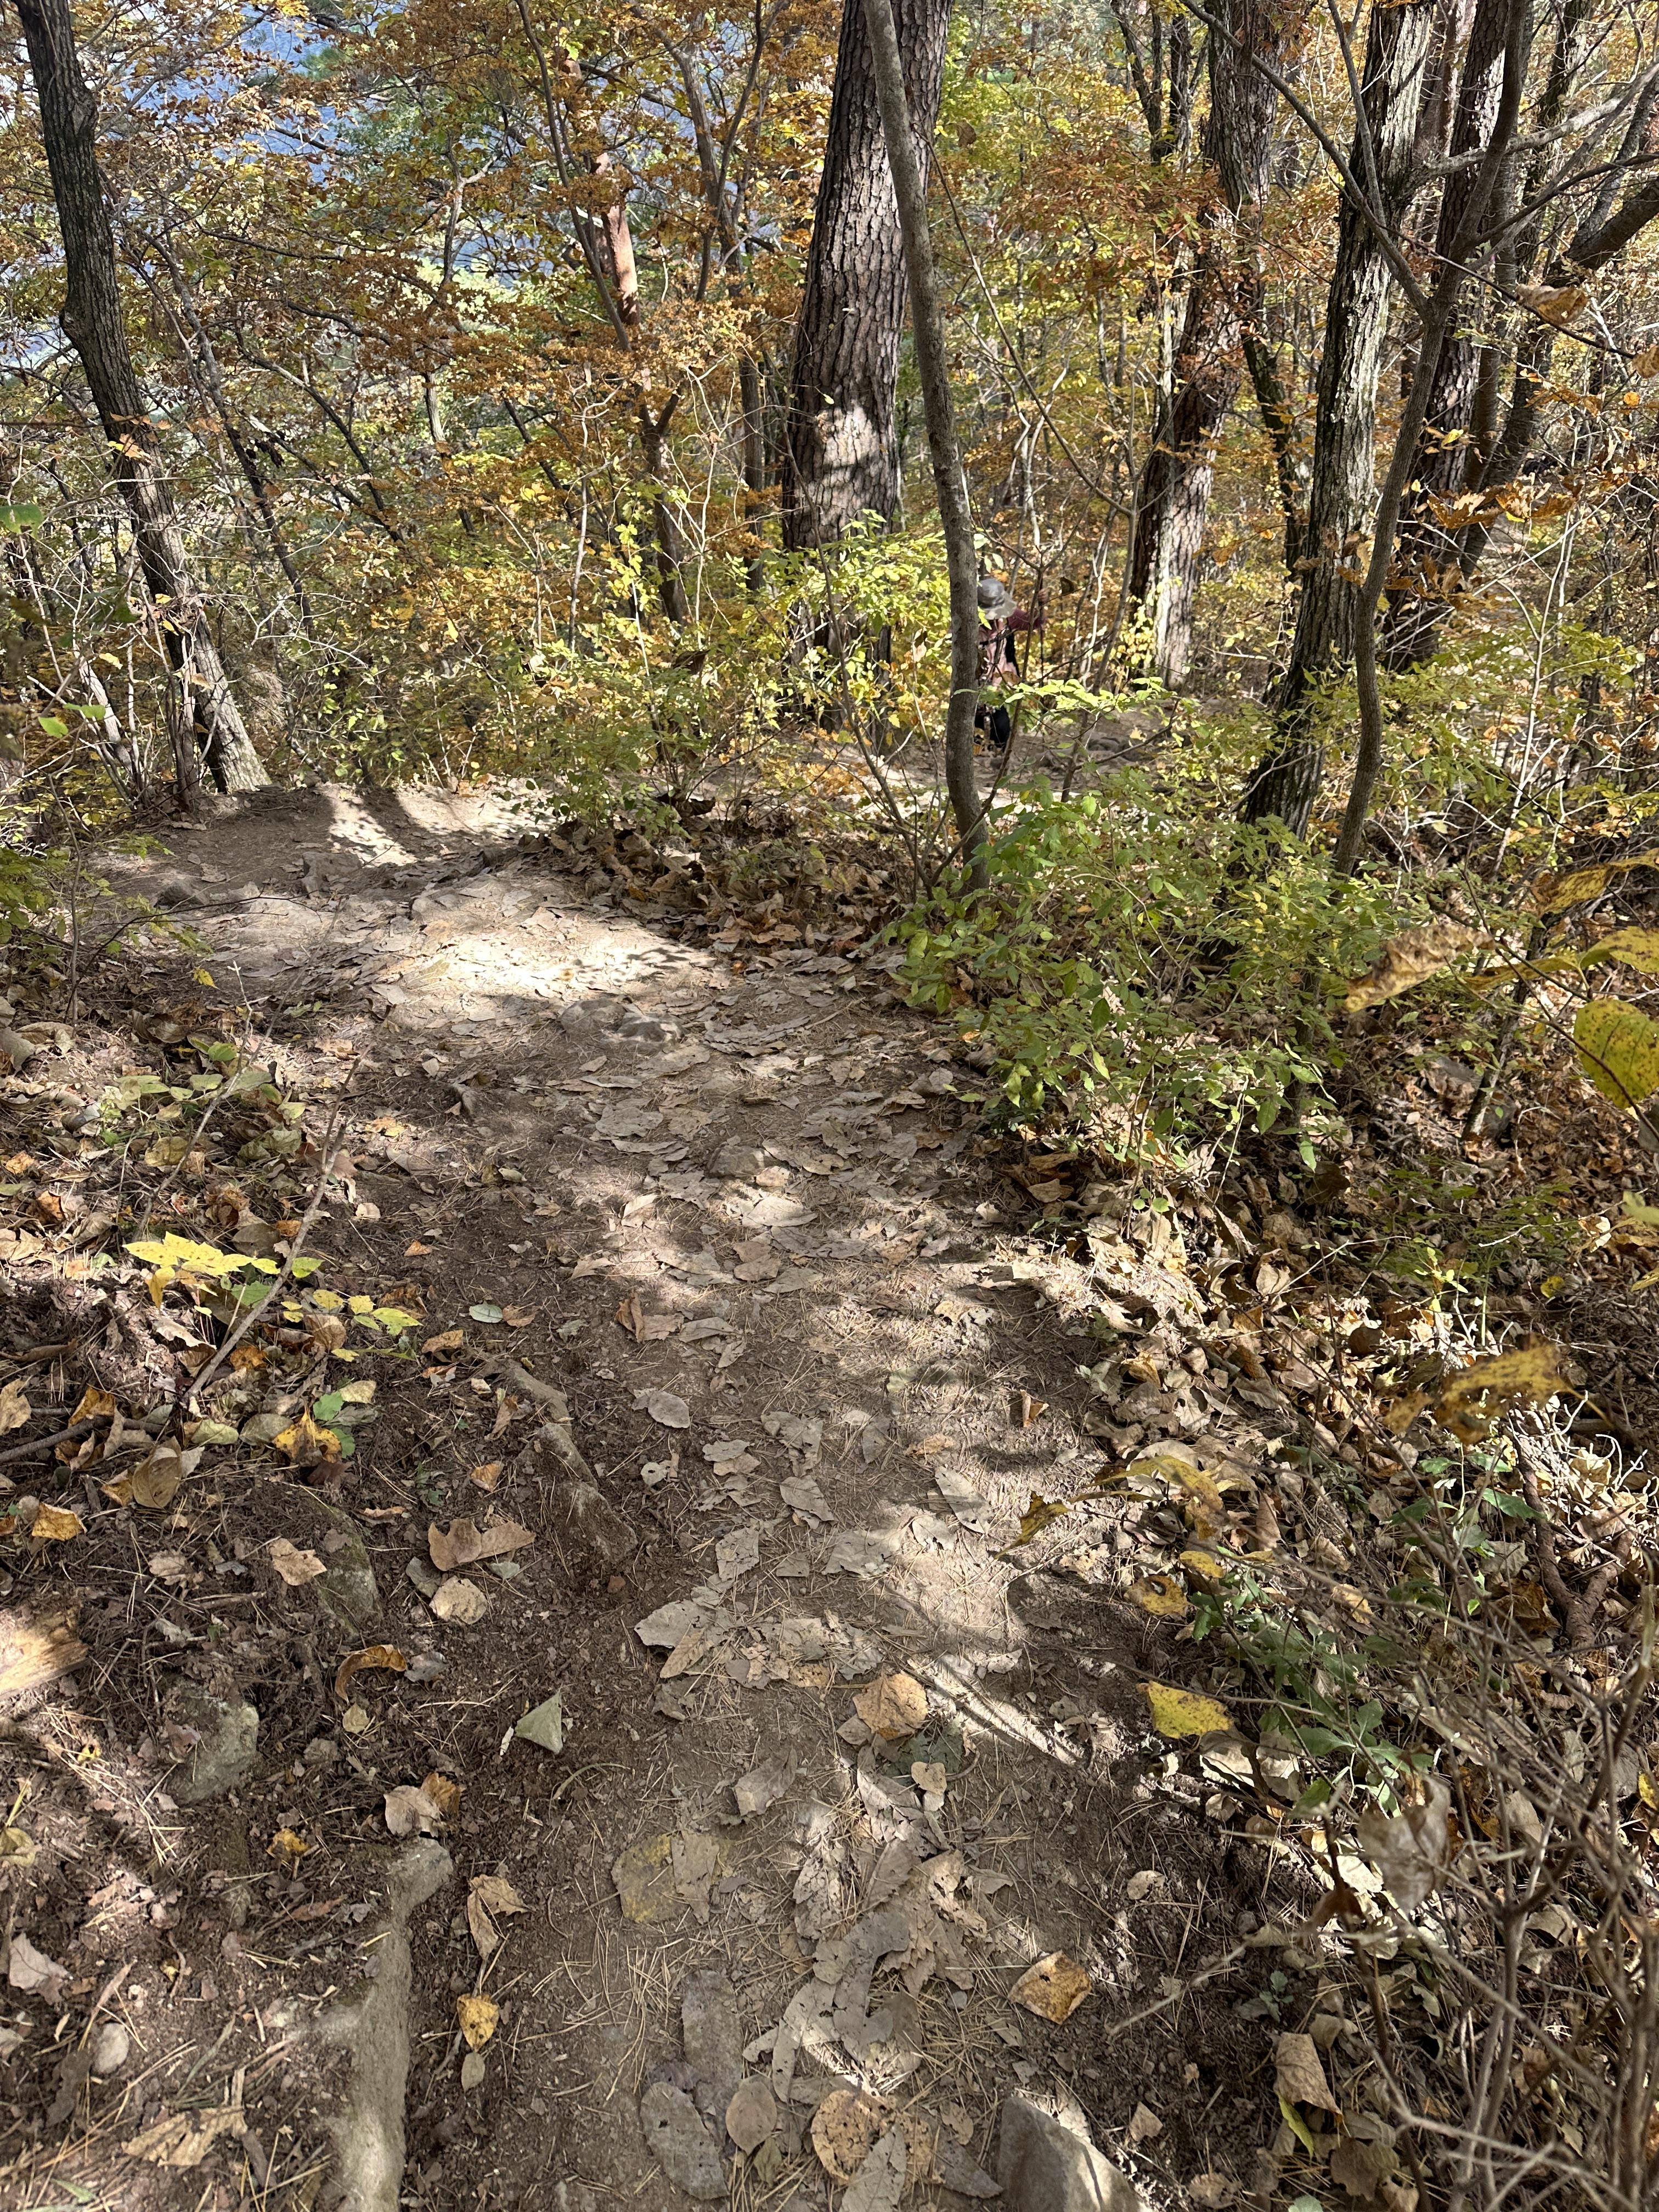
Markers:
point(1183, 1712)
point(1470, 1401)
point(1160, 1595)
point(478, 2016)
point(1203, 1566)
point(1409, 959)
point(1636, 948)
point(56, 1524)
point(1054, 1988)
point(1618, 1049)
point(183, 1256)
point(1037, 1515)
point(1554, 894)
point(306, 1442)
point(1646, 363)
point(288, 1845)
point(1555, 304)
point(203, 976)
point(385, 1655)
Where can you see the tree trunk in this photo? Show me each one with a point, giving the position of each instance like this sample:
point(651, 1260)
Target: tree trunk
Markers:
point(1341, 491)
point(841, 458)
point(908, 164)
point(1425, 564)
point(1221, 302)
point(92, 323)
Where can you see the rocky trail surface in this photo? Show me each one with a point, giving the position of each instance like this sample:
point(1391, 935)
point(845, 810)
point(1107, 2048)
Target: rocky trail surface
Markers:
point(632, 1693)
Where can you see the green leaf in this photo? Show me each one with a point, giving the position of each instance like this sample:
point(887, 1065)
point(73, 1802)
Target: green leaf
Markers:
point(485, 1313)
point(543, 1724)
point(21, 514)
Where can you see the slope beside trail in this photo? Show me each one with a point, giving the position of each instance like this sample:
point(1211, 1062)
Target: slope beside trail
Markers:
point(726, 1308)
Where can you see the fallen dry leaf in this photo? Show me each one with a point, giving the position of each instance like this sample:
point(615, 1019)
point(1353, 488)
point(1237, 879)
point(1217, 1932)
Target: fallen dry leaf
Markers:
point(452, 1339)
point(410, 1811)
point(1160, 1595)
point(181, 2140)
point(751, 2114)
point(445, 1794)
point(1053, 1989)
point(489, 1897)
point(894, 1705)
point(1298, 2074)
point(307, 1443)
point(878, 2184)
point(461, 1543)
point(487, 1476)
point(1144, 2124)
point(14, 1407)
point(288, 1845)
point(1183, 1712)
point(1410, 959)
point(1413, 1849)
point(29, 1970)
point(845, 2127)
point(56, 1524)
point(295, 1567)
point(154, 1483)
point(478, 2017)
point(1470, 1401)
point(459, 1600)
point(664, 1407)
point(385, 1655)
point(644, 1875)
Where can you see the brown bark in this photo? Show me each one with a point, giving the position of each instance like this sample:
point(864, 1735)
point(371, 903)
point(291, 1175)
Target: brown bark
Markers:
point(1341, 487)
point(841, 457)
point(92, 323)
point(1221, 304)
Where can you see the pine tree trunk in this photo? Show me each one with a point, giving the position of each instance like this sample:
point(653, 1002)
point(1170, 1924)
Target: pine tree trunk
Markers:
point(841, 458)
point(1341, 491)
point(1174, 486)
point(92, 323)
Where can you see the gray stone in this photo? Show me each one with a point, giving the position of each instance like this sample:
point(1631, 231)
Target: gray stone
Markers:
point(226, 1731)
point(710, 2031)
point(346, 1588)
point(677, 2138)
point(738, 1163)
point(111, 2047)
point(1044, 2166)
point(372, 2023)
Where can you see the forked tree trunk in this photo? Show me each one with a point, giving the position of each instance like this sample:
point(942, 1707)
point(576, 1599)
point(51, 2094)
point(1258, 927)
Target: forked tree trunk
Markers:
point(92, 323)
point(906, 159)
point(1221, 301)
point(1426, 559)
point(840, 459)
point(1341, 491)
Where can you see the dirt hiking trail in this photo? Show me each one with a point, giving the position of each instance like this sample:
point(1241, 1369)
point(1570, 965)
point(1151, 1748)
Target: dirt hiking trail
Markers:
point(730, 1806)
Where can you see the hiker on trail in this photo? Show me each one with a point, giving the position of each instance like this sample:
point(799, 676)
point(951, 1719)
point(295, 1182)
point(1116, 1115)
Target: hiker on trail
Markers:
point(999, 622)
